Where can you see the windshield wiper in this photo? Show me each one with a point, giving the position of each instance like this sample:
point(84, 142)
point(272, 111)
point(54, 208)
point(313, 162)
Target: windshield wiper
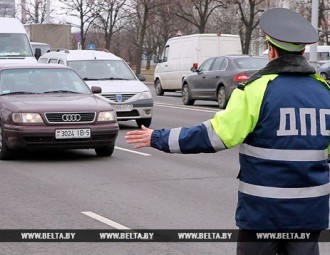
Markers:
point(103, 79)
point(90, 79)
point(18, 93)
point(61, 91)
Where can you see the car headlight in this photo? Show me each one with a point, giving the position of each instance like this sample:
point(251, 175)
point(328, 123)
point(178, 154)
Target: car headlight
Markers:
point(145, 95)
point(27, 117)
point(107, 116)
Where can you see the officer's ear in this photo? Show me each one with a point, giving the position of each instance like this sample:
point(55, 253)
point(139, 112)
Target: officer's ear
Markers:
point(272, 53)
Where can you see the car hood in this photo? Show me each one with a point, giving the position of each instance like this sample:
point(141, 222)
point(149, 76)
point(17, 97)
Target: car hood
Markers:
point(118, 86)
point(54, 102)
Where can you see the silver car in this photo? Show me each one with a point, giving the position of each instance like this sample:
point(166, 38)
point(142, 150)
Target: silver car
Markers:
point(131, 98)
point(217, 77)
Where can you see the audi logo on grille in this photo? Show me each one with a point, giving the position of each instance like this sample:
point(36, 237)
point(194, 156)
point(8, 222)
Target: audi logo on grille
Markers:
point(71, 117)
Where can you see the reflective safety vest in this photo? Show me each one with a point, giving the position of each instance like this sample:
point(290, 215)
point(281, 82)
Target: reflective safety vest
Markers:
point(282, 124)
point(284, 175)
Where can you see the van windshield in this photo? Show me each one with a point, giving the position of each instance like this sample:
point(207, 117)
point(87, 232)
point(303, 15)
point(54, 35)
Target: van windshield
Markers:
point(102, 69)
point(15, 45)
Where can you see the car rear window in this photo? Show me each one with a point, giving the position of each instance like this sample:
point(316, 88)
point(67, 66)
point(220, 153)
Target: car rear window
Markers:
point(251, 63)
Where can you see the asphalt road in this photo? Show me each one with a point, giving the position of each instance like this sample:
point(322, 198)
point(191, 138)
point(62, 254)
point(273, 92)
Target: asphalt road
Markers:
point(144, 189)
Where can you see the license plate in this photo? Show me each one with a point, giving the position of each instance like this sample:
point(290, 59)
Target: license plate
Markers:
point(122, 107)
point(72, 133)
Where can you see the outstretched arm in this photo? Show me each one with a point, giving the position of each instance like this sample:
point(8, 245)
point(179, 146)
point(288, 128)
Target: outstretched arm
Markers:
point(141, 138)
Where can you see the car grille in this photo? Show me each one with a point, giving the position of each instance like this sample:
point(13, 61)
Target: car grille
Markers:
point(70, 117)
point(118, 97)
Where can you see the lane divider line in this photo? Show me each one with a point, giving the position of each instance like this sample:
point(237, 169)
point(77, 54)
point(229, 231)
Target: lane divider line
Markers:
point(186, 108)
point(105, 220)
point(131, 151)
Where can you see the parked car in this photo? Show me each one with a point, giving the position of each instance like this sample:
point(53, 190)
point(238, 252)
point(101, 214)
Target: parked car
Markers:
point(324, 70)
point(217, 77)
point(125, 91)
point(49, 106)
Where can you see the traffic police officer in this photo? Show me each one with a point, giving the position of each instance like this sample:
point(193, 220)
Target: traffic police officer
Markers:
point(281, 120)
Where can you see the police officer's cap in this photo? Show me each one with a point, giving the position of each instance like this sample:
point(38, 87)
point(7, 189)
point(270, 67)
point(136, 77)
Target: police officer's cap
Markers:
point(287, 30)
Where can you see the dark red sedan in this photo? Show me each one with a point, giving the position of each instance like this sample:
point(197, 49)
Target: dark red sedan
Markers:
point(49, 106)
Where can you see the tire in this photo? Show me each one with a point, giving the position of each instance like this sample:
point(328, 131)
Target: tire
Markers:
point(144, 122)
point(158, 88)
point(5, 152)
point(186, 95)
point(105, 151)
point(222, 97)
point(324, 76)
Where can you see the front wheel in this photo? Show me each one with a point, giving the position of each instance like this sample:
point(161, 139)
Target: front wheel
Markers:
point(222, 97)
point(186, 96)
point(5, 152)
point(158, 88)
point(144, 122)
point(105, 151)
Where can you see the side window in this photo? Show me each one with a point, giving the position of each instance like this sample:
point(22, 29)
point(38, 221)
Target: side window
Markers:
point(42, 60)
point(217, 64)
point(165, 54)
point(53, 61)
point(224, 65)
point(206, 65)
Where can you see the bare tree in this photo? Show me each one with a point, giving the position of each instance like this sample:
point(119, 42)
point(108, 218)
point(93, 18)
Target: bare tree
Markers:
point(248, 10)
point(143, 8)
point(197, 12)
point(109, 15)
point(34, 11)
point(85, 11)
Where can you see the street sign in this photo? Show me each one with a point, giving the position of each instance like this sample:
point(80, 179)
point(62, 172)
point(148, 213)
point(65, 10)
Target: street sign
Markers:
point(91, 46)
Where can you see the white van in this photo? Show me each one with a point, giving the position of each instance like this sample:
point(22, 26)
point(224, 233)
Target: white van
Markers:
point(131, 98)
point(14, 42)
point(323, 53)
point(182, 52)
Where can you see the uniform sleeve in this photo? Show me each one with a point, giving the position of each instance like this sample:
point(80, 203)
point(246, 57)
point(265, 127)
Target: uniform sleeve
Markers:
point(196, 139)
point(227, 129)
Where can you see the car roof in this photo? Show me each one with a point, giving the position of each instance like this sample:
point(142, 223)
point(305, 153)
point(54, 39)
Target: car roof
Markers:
point(243, 56)
point(8, 66)
point(71, 55)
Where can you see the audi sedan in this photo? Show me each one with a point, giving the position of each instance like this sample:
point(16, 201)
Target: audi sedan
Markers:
point(50, 107)
point(217, 77)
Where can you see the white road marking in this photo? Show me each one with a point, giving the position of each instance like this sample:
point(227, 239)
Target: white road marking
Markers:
point(106, 221)
point(131, 151)
point(197, 109)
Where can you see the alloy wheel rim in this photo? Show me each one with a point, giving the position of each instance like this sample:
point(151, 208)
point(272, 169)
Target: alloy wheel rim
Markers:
point(221, 97)
point(0, 139)
point(185, 93)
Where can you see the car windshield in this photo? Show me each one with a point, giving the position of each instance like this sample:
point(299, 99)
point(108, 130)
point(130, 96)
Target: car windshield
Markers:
point(251, 63)
point(14, 45)
point(41, 80)
point(102, 69)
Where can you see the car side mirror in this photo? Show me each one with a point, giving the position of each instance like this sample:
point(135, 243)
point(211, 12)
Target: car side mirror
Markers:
point(96, 90)
point(37, 53)
point(141, 77)
point(193, 69)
